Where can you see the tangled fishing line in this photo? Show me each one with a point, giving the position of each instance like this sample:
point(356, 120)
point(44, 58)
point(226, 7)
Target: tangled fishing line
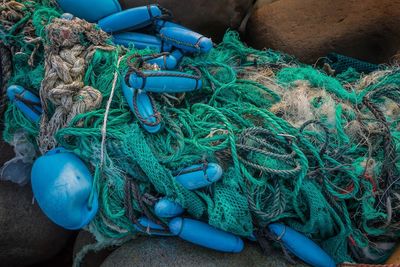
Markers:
point(317, 152)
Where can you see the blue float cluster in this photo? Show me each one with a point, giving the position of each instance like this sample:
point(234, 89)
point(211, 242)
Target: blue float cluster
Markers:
point(66, 194)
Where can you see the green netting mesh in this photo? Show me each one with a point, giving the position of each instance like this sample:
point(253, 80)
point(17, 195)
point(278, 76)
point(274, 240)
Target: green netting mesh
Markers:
point(298, 146)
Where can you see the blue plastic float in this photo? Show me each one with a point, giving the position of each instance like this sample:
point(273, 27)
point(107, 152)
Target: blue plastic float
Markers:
point(166, 61)
point(187, 40)
point(198, 176)
point(301, 246)
point(165, 81)
point(151, 228)
point(141, 41)
point(166, 208)
point(25, 101)
point(205, 235)
point(161, 23)
point(130, 19)
point(143, 108)
point(62, 184)
point(90, 10)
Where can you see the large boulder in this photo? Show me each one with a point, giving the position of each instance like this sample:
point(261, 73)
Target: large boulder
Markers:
point(26, 235)
point(6, 152)
point(176, 252)
point(208, 17)
point(309, 29)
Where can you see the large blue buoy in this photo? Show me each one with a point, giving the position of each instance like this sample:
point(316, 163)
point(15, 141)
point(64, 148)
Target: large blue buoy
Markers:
point(62, 185)
point(198, 176)
point(142, 109)
point(90, 10)
point(25, 101)
point(187, 40)
point(165, 208)
point(301, 246)
point(165, 81)
point(141, 41)
point(205, 235)
point(130, 19)
point(151, 228)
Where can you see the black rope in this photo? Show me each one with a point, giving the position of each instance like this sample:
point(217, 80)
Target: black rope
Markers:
point(324, 128)
point(157, 114)
point(389, 173)
point(132, 190)
point(266, 142)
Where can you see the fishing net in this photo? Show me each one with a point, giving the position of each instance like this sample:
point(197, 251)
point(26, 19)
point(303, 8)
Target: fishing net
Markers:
point(316, 152)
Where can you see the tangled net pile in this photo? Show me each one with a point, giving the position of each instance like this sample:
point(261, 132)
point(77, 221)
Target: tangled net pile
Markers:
point(316, 152)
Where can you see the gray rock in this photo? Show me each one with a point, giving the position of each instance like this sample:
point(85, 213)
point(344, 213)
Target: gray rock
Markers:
point(26, 235)
point(176, 252)
point(310, 29)
point(208, 17)
point(6, 152)
point(92, 259)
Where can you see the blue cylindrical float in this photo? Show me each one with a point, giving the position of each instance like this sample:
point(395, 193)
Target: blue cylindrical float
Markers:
point(198, 176)
point(187, 40)
point(151, 228)
point(141, 41)
point(130, 19)
point(161, 23)
point(62, 185)
point(165, 208)
point(165, 81)
point(301, 246)
point(90, 10)
point(142, 107)
point(205, 235)
point(25, 101)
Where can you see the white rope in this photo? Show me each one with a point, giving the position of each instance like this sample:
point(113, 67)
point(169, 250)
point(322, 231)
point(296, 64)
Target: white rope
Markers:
point(104, 128)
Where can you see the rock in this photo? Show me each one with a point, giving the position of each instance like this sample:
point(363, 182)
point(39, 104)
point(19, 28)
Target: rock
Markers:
point(26, 235)
point(309, 29)
point(171, 251)
point(92, 259)
point(208, 17)
point(6, 152)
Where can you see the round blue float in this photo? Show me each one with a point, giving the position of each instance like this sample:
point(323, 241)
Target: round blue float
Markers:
point(62, 184)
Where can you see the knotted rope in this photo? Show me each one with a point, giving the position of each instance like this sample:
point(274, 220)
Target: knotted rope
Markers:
point(70, 46)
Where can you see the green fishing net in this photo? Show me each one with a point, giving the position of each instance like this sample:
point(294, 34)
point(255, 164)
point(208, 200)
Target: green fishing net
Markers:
point(316, 152)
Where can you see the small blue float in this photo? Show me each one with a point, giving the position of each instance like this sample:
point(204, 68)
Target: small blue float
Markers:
point(90, 10)
point(25, 101)
point(187, 40)
point(62, 185)
point(141, 41)
point(166, 208)
point(130, 19)
point(165, 81)
point(165, 61)
point(205, 235)
point(198, 176)
point(142, 108)
point(151, 228)
point(301, 246)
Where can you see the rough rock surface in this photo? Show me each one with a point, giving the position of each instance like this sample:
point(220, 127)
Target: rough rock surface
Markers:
point(175, 252)
point(309, 29)
point(92, 259)
point(6, 152)
point(26, 235)
point(208, 17)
